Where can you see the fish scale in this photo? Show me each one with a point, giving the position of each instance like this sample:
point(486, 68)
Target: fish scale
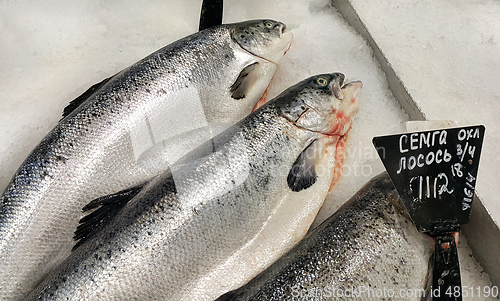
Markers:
point(93, 150)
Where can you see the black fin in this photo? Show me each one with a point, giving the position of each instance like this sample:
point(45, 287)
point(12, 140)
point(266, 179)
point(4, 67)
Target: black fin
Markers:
point(211, 13)
point(244, 81)
point(107, 207)
point(303, 175)
point(75, 103)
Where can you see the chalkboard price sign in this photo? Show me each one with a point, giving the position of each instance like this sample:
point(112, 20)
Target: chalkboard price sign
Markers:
point(435, 173)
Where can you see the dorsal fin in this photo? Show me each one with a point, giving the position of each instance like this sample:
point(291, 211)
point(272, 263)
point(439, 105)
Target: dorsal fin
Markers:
point(75, 103)
point(245, 81)
point(107, 207)
point(303, 175)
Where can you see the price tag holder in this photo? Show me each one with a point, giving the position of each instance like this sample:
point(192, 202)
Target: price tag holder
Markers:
point(435, 174)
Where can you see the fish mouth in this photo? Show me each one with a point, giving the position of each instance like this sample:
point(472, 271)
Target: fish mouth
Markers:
point(289, 45)
point(355, 87)
point(341, 90)
point(284, 45)
point(341, 119)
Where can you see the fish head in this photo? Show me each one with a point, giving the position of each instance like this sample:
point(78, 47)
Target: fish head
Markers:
point(323, 104)
point(264, 38)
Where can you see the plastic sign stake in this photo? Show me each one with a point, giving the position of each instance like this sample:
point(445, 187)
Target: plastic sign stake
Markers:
point(446, 273)
point(435, 174)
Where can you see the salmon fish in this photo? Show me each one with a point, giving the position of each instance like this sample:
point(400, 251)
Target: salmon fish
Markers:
point(222, 213)
point(213, 76)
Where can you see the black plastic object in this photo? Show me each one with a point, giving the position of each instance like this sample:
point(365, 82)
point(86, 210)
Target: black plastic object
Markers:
point(211, 13)
point(435, 174)
point(446, 284)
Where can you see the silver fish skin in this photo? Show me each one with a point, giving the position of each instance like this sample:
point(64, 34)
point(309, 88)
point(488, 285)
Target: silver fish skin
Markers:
point(220, 215)
point(213, 76)
point(368, 250)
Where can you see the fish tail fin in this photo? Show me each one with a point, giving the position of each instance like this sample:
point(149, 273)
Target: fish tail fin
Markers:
point(107, 207)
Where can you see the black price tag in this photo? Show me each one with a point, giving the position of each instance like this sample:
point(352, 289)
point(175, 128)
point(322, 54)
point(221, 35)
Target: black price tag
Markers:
point(435, 174)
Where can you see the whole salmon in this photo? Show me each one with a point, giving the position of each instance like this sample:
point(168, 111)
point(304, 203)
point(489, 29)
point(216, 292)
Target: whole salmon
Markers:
point(213, 76)
point(222, 213)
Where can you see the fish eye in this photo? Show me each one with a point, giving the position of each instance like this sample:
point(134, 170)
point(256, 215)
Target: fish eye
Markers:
point(268, 24)
point(321, 81)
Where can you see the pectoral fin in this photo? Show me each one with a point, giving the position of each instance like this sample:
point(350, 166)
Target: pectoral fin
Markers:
point(245, 81)
point(303, 174)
